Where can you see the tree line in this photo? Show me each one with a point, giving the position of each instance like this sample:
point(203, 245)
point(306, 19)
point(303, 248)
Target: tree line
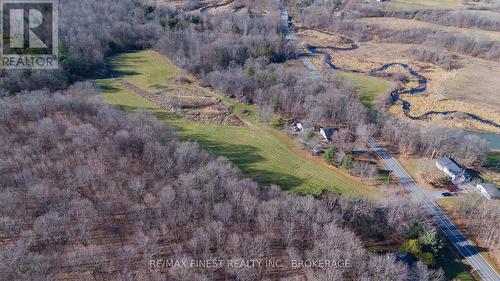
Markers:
point(483, 216)
point(462, 19)
point(88, 32)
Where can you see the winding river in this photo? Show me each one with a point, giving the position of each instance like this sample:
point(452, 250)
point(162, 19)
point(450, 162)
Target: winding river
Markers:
point(396, 95)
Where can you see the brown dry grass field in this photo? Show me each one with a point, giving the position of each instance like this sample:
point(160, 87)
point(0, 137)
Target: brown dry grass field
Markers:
point(404, 24)
point(424, 103)
point(477, 82)
point(316, 38)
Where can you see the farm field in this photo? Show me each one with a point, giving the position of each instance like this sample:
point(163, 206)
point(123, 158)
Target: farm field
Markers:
point(369, 87)
point(261, 152)
point(148, 70)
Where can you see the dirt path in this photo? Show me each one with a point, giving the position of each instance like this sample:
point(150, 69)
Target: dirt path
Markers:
point(205, 109)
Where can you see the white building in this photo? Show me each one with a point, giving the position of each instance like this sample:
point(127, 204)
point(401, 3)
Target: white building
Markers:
point(488, 190)
point(451, 169)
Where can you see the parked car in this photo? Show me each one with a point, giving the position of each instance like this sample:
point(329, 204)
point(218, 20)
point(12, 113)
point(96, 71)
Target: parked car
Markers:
point(447, 194)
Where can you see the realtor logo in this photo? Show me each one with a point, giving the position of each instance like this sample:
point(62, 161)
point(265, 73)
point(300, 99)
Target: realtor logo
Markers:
point(29, 34)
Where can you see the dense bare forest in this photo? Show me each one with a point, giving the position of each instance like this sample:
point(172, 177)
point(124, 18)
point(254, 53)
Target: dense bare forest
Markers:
point(90, 192)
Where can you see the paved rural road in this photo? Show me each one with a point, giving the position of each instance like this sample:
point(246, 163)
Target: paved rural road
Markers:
point(461, 243)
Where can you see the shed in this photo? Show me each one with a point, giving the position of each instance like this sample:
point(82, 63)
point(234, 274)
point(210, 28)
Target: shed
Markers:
point(327, 133)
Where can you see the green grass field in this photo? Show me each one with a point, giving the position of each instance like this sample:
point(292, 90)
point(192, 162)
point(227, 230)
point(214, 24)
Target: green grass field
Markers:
point(261, 152)
point(369, 87)
point(148, 70)
point(492, 160)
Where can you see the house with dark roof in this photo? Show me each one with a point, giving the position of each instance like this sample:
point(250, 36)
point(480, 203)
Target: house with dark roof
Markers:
point(327, 133)
point(488, 190)
point(452, 170)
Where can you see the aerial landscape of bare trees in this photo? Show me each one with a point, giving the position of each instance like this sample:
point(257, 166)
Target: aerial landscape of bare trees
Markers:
point(78, 176)
point(90, 192)
point(236, 53)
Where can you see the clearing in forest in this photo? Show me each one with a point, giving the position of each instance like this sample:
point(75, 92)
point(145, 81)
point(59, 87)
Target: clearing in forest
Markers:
point(369, 87)
point(264, 153)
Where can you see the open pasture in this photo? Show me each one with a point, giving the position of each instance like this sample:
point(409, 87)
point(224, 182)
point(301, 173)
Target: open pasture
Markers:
point(264, 153)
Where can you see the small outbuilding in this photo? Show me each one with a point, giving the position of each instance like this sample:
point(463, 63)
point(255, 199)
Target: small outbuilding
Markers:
point(296, 127)
point(327, 133)
point(488, 190)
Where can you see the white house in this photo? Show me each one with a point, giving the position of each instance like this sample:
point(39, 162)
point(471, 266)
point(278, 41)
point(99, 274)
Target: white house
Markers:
point(488, 190)
point(300, 127)
point(451, 169)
